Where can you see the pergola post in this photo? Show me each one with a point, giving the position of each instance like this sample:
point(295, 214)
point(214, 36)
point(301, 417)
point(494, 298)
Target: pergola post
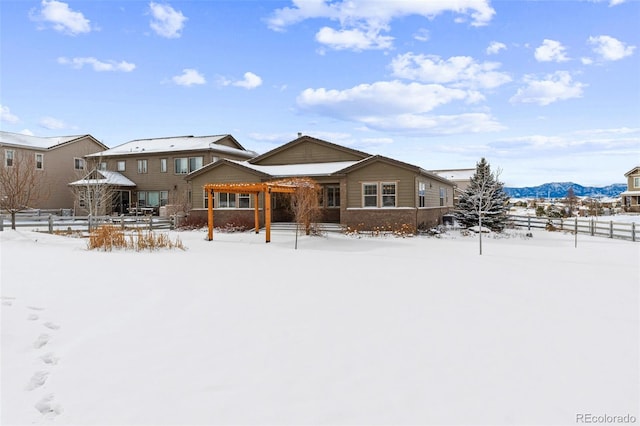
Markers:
point(256, 215)
point(210, 213)
point(267, 214)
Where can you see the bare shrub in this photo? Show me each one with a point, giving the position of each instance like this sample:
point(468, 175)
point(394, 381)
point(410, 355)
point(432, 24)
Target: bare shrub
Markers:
point(109, 237)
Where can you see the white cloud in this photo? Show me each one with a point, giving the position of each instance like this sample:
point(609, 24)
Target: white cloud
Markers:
point(250, 81)
point(554, 87)
point(397, 106)
point(167, 22)
point(422, 124)
point(611, 2)
point(609, 48)
point(551, 51)
point(61, 17)
point(7, 116)
point(363, 21)
point(189, 77)
point(422, 35)
point(459, 71)
point(52, 123)
point(495, 47)
point(97, 65)
point(354, 39)
point(26, 132)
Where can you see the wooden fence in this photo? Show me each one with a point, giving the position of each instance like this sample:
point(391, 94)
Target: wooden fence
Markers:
point(590, 226)
point(55, 223)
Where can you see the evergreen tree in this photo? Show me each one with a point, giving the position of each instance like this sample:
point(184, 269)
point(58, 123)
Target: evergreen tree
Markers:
point(485, 200)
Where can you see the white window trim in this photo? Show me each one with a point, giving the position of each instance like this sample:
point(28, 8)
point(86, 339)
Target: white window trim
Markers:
point(84, 165)
point(365, 196)
point(122, 163)
point(7, 153)
point(143, 166)
point(38, 154)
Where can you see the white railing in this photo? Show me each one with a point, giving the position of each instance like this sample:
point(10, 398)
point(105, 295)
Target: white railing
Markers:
point(55, 223)
point(590, 226)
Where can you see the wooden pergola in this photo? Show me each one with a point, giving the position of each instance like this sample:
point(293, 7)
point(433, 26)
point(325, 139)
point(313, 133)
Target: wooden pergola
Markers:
point(249, 188)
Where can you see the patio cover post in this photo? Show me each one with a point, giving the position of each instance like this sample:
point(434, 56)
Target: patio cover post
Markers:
point(256, 215)
point(267, 214)
point(210, 213)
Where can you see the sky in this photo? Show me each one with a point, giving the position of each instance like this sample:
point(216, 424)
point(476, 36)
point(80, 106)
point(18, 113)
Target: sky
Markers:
point(546, 91)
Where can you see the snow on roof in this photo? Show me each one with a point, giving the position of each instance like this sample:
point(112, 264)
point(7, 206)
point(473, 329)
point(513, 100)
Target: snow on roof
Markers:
point(455, 174)
point(172, 144)
point(34, 141)
point(108, 178)
point(310, 169)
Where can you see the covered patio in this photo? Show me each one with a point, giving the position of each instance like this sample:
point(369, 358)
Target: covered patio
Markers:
point(266, 188)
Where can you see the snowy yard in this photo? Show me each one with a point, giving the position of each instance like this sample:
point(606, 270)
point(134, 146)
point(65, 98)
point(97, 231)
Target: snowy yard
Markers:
point(342, 330)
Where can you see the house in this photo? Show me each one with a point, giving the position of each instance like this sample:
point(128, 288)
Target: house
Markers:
point(631, 197)
point(60, 159)
point(359, 190)
point(147, 174)
point(461, 177)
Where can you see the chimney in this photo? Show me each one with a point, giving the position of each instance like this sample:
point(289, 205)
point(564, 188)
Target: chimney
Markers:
point(299, 134)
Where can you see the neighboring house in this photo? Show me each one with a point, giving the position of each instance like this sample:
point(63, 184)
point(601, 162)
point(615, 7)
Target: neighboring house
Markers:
point(60, 159)
point(359, 190)
point(461, 177)
point(631, 197)
point(157, 168)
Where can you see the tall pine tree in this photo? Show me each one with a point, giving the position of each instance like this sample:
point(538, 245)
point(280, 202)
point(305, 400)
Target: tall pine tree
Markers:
point(485, 196)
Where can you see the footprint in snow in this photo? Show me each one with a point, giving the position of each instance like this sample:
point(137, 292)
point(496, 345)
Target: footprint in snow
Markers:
point(37, 380)
point(51, 326)
point(46, 407)
point(42, 340)
point(50, 358)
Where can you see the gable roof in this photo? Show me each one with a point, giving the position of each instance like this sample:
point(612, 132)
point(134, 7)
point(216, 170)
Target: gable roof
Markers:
point(632, 171)
point(177, 144)
point(20, 140)
point(307, 139)
point(224, 161)
point(397, 163)
point(105, 177)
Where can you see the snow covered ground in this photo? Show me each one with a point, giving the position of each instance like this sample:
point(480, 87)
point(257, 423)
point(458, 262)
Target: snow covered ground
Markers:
point(342, 330)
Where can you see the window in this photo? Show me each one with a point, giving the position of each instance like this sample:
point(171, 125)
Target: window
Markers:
point(226, 199)
point(78, 163)
point(333, 196)
point(39, 161)
point(388, 194)
point(122, 165)
point(9, 156)
point(153, 198)
point(181, 166)
point(244, 201)
point(195, 163)
point(636, 182)
point(422, 194)
point(370, 194)
point(443, 195)
point(187, 165)
point(163, 165)
point(205, 202)
point(142, 166)
point(102, 165)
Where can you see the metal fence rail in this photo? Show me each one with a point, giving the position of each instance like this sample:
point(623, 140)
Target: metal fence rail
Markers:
point(591, 226)
point(55, 223)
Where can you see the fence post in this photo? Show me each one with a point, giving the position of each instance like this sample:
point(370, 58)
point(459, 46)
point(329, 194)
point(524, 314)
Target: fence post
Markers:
point(610, 229)
point(150, 223)
point(89, 223)
point(529, 223)
point(561, 224)
point(51, 224)
point(592, 227)
point(633, 231)
point(122, 221)
point(575, 244)
point(1, 222)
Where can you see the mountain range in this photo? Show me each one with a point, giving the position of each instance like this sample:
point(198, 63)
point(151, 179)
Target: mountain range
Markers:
point(559, 190)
